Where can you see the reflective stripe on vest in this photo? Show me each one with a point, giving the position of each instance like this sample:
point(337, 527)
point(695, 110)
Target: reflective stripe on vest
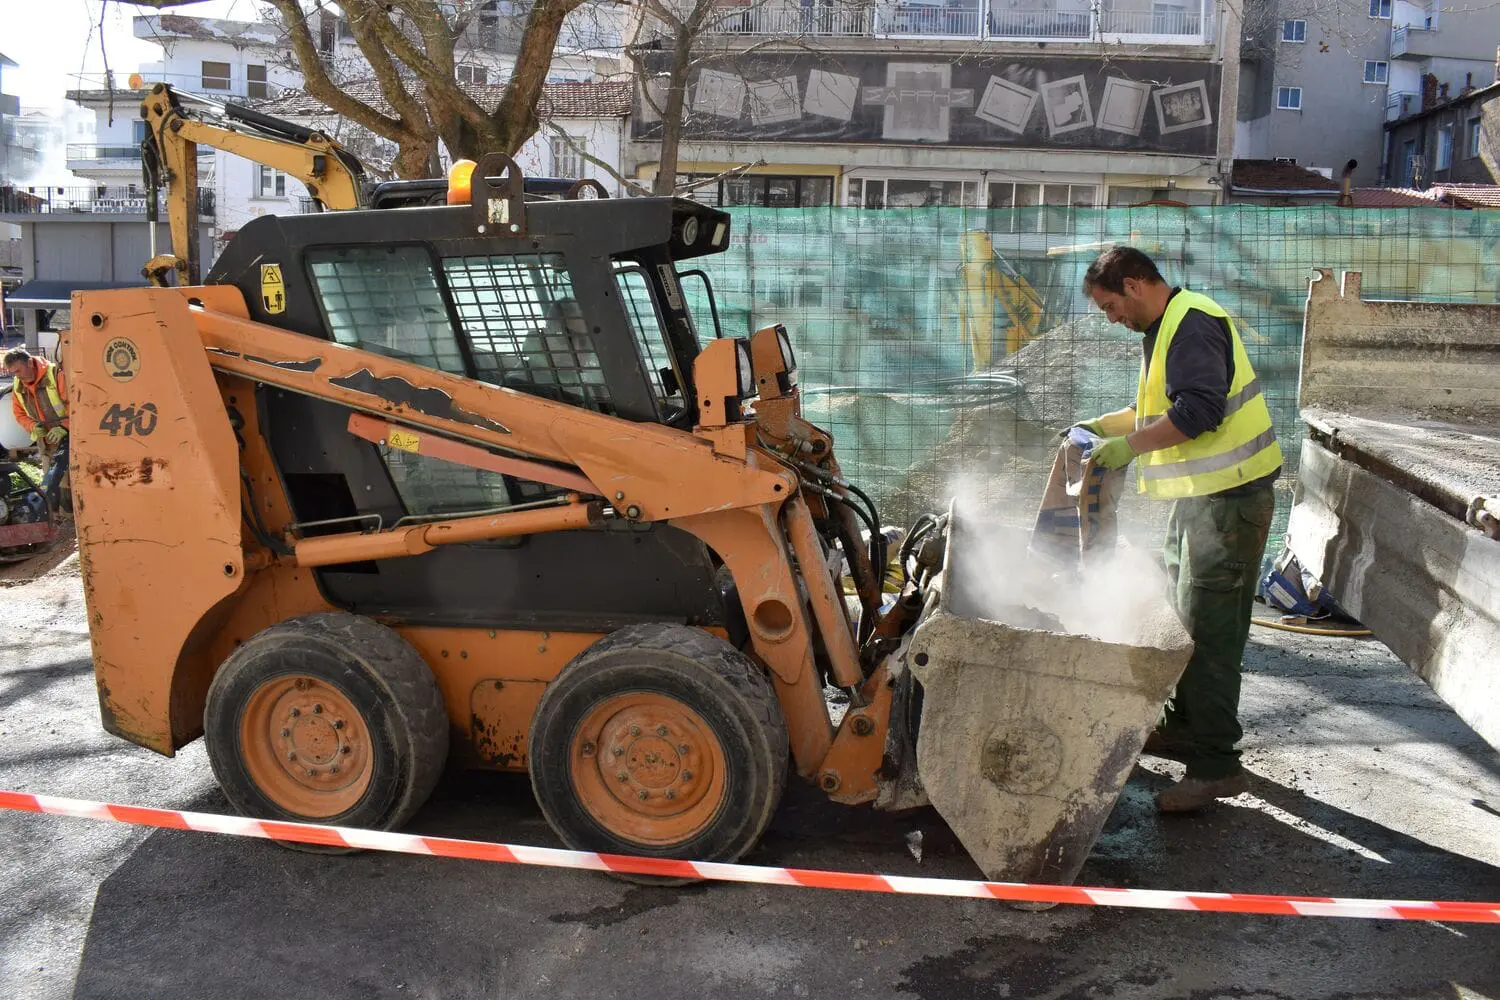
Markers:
point(1241, 449)
point(54, 410)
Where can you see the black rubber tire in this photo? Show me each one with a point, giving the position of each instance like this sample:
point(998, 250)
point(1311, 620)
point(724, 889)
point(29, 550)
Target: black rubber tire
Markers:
point(729, 690)
point(379, 672)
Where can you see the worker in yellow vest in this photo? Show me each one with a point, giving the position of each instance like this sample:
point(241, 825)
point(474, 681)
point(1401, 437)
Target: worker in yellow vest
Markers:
point(39, 400)
point(1200, 435)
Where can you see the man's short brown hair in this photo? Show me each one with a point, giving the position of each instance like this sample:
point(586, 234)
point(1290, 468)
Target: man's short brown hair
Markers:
point(1116, 264)
point(16, 355)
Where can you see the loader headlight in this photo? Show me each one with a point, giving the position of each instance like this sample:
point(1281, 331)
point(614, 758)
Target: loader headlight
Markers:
point(788, 356)
point(745, 371)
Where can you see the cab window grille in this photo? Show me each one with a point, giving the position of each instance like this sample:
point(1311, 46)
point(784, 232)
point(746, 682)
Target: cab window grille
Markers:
point(650, 339)
point(525, 329)
point(386, 300)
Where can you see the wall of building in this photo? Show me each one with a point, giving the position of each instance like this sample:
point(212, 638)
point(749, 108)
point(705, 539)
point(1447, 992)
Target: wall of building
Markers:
point(1341, 115)
point(1469, 164)
point(239, 197)
point(601, 137)
point(76, 248)
point(182, 66)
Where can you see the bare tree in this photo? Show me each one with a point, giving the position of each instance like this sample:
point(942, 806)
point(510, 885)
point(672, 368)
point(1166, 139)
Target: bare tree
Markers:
point(410, 47)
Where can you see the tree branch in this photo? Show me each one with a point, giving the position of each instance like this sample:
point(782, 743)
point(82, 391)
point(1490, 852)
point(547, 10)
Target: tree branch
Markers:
point(315, 78)
point(632, 186)
point(516, 119)
point(366, 20)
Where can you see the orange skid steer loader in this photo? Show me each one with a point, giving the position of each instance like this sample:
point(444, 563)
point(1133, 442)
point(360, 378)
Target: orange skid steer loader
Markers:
point(484, 484)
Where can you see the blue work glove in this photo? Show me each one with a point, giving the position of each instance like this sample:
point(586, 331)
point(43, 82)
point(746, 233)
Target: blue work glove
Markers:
point(1113, 453)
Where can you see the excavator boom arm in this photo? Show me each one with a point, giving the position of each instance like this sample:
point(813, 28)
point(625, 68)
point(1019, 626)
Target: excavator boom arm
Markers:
point(333, 177)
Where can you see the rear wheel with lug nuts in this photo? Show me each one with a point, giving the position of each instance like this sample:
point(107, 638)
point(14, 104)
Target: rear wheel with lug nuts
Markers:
point(327, 718)
point(660, 740)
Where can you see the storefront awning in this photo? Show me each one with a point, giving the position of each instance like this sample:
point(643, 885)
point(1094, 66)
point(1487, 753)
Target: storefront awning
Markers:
point(57, 294)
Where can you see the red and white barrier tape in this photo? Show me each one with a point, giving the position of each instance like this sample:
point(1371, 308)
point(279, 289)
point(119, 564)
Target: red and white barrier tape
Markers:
point(444, 847)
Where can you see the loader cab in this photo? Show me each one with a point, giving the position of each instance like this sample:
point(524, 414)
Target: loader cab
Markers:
point(590, 302)
point(574, 300)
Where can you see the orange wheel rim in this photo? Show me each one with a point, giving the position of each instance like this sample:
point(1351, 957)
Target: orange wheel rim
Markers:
point(648, 768)
point(305, 746)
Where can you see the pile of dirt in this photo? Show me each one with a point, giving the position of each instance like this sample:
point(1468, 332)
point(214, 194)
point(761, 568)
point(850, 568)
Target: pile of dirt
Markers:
point(997, 454)
point(61, 559)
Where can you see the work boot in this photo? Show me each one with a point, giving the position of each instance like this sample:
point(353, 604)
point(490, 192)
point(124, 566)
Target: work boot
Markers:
point(1192, 794)
point(1159, 744)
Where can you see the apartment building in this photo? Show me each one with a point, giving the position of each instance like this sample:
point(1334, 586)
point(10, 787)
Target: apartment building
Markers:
point(1446, 141)
point(10, 109)
point(1319, 80)
point(980, 103)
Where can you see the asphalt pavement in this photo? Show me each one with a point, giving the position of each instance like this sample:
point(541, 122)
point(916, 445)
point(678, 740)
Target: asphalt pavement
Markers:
point(1363, 784)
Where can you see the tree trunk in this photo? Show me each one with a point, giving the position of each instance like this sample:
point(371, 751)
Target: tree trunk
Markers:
point(415, 158)
point(516, 120)
point(671, 119)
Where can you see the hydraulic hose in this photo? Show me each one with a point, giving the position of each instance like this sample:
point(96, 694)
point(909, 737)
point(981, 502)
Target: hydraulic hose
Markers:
point(1309, 630)
point(924, 524)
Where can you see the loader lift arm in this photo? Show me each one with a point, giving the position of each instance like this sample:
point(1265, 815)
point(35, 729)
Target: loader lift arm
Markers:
point(333, 176)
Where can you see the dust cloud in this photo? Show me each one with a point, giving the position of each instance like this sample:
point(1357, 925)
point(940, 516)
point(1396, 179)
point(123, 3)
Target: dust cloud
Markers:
point(1117, 594)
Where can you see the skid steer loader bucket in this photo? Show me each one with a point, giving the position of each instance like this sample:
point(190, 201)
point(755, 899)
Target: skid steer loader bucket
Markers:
point(1038, 689)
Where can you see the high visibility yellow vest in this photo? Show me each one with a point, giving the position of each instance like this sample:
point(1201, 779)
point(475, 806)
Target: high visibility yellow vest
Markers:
point(59, 409)
point(1240, 450)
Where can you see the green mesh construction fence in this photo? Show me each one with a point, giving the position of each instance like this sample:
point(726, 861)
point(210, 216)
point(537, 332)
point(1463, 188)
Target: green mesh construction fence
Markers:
point(945, 347)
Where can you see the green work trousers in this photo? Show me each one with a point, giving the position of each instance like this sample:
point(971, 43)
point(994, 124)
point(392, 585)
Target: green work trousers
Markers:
point(1213, 552)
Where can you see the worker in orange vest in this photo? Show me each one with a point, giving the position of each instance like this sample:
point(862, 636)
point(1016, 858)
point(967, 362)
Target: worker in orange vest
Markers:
point(38, 399)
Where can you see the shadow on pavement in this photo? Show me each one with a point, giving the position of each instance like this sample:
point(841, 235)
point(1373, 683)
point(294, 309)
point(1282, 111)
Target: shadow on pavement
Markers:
point(25, 682)
point(193, 915)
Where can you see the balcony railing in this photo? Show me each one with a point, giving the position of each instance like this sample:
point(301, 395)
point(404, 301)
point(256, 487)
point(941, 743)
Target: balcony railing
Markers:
point(94, 152)
point(96, 200)
point(828, 21)
point(1167, 21)
point(1400, 104)
point(924, 20)
point(967, 19)
point(196, 83)
point(1041, 24)
point(1416, 41)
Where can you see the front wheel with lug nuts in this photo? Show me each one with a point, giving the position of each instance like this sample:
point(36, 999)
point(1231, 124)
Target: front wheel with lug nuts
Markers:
point(327, 718)
point(660, 740)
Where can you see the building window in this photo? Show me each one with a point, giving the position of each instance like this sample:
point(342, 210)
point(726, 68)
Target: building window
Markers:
point(471, 74)
point(1376, 71)
point(1044, 208)
point(567, 157)
point(1408, 162)
point(1294, 31)
point(215, 76)
point(1289, 98)
point(762, 191)
point(1444, 159)
point(909, 192)
point(269, 182)
point(138, 132)
point(1472, 150)
point(255, 83)
point(1380, 8)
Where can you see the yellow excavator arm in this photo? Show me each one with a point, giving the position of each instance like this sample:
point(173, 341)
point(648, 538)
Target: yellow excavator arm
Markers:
point(333, 176)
